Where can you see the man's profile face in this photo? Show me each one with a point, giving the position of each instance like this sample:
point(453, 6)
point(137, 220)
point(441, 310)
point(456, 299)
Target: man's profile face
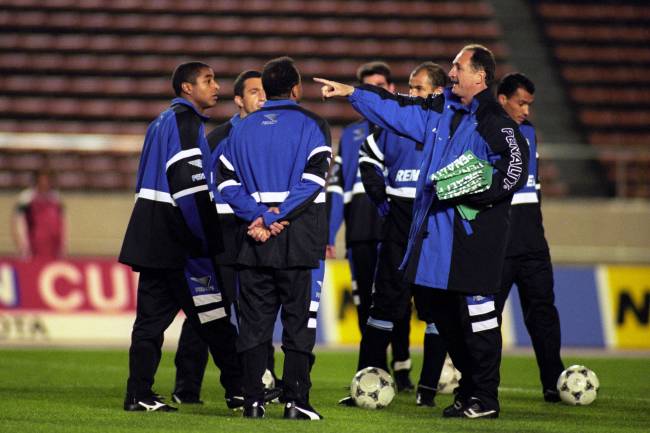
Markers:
point(518, 104)
point(379, 81)
point(466, 82)
point(205, 89)
point(253, 95)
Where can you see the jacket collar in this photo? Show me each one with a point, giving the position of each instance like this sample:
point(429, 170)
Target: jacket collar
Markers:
point(481, 98)
point(278, 102)
point(234, 120)
point(183, 101)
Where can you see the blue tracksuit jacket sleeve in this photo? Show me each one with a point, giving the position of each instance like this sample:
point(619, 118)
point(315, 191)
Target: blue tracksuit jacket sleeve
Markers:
point(311, 183)
point(187, 164)
point(335, 199)
point(371, 166)
point(397, 113)
point(233, 192)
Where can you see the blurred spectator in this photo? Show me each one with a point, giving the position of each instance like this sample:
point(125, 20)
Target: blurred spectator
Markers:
point(38, 221)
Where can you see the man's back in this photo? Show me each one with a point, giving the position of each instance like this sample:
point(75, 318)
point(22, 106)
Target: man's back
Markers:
point(280, 155)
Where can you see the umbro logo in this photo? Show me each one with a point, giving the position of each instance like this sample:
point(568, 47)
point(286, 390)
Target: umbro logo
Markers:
point(271, 119)
point(203, 284)
point(196, 163)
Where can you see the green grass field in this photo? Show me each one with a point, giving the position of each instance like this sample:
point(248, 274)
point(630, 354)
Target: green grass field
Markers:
point(58, 390)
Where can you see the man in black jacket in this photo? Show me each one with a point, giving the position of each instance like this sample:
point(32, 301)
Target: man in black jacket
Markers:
point(171, 239)
point(192, 354)
point(528, 260)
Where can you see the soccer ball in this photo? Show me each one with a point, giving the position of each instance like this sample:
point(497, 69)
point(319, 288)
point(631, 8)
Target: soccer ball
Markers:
point(372, 388)
point(449, 378)
point(578, 385)
point(268, 380)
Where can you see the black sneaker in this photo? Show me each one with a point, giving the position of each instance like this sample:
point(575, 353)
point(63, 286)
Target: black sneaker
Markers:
point(273, 395)
point(347, 401)
point(255, 411)
point(425, 396)
point(236, 402)
point(178, 399)
point(293, 410)
point(151, 404)
point(551, 395)
point(475, 409)
point(453, 411)
point(403, 381)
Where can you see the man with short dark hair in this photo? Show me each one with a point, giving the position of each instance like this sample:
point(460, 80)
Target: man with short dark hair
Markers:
point(390, 167)
point(528, 261)
point(457, 245)
point(347, 199)
point(272, 173)
point(192, 354)
point(171, 239)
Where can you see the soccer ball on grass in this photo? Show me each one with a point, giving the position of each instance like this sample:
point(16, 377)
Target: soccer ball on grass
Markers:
point(578, 385)
point(372, 388)
point(449, 378)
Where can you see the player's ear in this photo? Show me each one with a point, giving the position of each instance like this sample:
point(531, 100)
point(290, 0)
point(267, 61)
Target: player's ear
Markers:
point(239, 101)
point(187, 87)
point(296, 92)
point(502, 99)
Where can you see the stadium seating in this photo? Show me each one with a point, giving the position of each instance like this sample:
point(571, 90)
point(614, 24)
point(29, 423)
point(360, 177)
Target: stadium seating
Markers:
point(103, 66)
point(601, 48)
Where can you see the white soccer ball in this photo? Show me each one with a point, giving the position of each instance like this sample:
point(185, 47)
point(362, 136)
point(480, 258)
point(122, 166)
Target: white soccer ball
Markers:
point(449, 378)
point(372, 388)
point(578, 385)
point(268, 380)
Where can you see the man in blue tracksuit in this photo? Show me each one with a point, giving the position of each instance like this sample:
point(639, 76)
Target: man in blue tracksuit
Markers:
point(171, 239)
point(393, 194)
point(459, 261)
point(528, 261)
point(273, 173)
point(192, 354)
point(347, 199)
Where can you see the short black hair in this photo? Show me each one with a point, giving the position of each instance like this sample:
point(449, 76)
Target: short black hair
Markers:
point(513, 81)
point(279, 76)
point(437, 75)
point(241, 80)
point(482, 58)
point(374, 68)
point(186, 73)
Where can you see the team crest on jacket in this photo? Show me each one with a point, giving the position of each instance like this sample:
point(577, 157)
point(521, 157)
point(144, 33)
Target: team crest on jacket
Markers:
point(271, 119)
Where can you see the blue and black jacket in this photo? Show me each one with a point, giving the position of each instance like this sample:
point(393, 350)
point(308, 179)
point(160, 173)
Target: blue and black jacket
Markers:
point(279, 156)
point(231, 225)
point(445, 251)
point(390, 167)
point(526, 228)
point(346, 196)
point(174, 218)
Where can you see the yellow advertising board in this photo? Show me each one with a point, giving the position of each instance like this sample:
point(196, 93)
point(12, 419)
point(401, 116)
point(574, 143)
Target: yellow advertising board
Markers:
point(626, 306)
point(338, 289)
